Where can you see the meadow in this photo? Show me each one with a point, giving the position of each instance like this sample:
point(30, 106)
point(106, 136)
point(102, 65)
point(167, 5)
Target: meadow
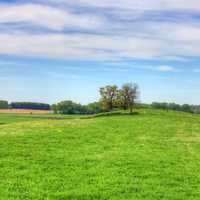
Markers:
point(149, 156)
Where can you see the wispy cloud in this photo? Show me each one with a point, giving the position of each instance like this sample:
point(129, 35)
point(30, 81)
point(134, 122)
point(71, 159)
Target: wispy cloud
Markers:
point(165, 68)
point(138, 4)
point(47, 16)
point(101, 30)
point(94, 47)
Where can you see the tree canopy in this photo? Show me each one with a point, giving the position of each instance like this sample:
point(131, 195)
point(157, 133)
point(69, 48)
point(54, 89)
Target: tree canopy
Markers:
point(3, 104)
point(125, 97)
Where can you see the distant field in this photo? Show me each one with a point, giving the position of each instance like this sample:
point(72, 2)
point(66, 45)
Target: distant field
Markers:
point(25, 111)
point(150, 156)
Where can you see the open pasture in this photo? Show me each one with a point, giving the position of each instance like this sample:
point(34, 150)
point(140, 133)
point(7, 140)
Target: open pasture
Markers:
point(152, 155)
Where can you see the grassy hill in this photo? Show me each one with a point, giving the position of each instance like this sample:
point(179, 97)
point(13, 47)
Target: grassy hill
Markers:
point(152, 155)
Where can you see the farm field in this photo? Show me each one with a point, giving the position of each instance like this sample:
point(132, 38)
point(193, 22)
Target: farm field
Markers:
point(24, 111)
point(149, 156)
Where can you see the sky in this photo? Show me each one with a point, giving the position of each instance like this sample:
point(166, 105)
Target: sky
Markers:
point(54, 50)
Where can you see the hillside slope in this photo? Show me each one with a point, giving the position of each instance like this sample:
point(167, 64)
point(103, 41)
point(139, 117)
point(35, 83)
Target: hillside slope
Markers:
point(153, 155)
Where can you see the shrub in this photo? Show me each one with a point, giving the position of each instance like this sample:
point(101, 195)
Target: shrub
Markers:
point(3, 104)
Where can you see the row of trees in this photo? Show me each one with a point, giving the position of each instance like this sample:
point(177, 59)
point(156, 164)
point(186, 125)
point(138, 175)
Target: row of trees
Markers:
point(64, 107)
point(113, 97)
point(70, 107)
point(30, 105)
point(177, 107)
point(24, 105)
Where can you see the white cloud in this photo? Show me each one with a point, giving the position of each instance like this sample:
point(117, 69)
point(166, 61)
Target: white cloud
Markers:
point(134, 40)
point(93, 47)
point(47, 16)
point(138, 4)
point(165, 68)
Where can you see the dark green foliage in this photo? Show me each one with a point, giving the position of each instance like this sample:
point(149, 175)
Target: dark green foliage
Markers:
point(3, 104)
point(70, 107)
point(93, 108)
point(30, 105)
point(160, 105)
point(109, 97)
point(177, 107)
point(142, 105)
point(54, 108)
point(186, 108)
point(128, 95)
point(122, 98)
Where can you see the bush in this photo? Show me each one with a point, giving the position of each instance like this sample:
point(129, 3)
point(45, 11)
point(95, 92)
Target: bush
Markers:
point(94, 108)
point(70, 107)
point(3, 104)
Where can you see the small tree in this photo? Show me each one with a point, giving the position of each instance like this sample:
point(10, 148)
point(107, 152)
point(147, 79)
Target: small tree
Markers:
point(128, 96)
point(109, 96)
point(3, 104)
point(54, 107)
point(93, 108)
point(68, 107)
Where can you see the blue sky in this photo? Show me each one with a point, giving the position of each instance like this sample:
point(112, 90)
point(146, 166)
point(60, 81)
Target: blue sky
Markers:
point(54, 50)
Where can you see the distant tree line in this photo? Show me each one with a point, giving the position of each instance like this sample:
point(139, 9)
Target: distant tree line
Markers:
point(112, 98)
point(30, 105)
point(70, 107)
point(24, 105)
point(177, 107)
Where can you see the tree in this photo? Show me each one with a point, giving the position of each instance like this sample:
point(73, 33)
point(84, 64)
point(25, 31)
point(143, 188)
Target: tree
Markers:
point(67, 107)
point(3, 104)
point(128, 96)
point(54, 108)
point(109, 95)
point(186, 108)
point(93, 108)
point(70, 107)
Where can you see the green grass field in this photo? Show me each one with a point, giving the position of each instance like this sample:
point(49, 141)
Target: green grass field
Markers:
point(153, 155)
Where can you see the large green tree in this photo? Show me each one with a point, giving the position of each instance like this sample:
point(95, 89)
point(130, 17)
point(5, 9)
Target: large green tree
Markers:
point(128, 95)
point(109, 96)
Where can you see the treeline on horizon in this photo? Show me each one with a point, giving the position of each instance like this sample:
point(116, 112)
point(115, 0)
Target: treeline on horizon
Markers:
point(112, 98)
point(70, 107)
point(63, 107)
point(176, 107)
point(24, 105)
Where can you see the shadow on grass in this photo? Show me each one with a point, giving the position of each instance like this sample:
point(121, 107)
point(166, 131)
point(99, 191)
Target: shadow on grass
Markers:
point(108, 114)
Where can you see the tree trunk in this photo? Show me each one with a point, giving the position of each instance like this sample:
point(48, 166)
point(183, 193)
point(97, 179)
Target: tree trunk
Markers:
point(131, 109)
